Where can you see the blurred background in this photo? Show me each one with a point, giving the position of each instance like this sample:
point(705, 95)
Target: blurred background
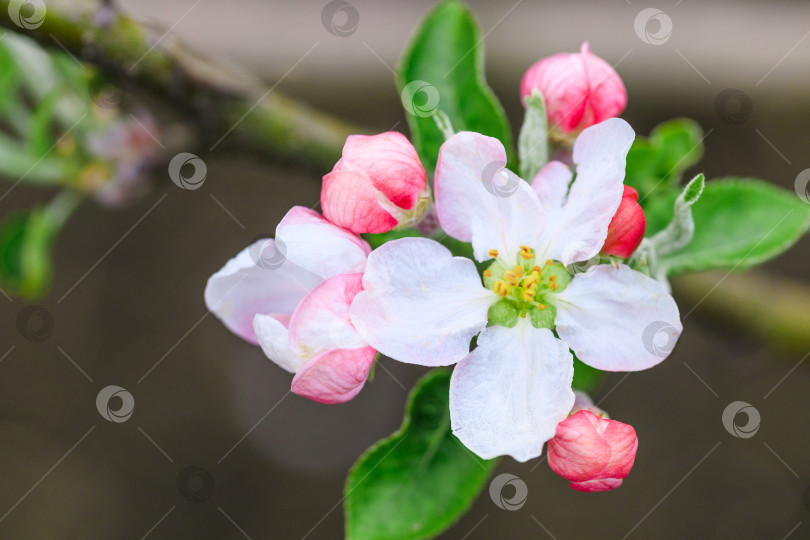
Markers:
point(216, 448)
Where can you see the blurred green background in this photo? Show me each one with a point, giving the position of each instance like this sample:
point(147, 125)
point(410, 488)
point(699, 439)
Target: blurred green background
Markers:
point(277, 461)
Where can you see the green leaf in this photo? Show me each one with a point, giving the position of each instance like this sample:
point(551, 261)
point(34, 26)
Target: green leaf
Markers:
point(533, 139)
point(26, 239)
point(586, 378)
point(420, 480)
point(655, 165)
point(740, 222)
point(40, 133)
point(443, 66)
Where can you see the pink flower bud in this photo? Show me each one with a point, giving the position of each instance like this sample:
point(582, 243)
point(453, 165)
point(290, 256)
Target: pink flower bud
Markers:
point(593, 453)
point(377, 185)
point(626, 229)
point(580, 89)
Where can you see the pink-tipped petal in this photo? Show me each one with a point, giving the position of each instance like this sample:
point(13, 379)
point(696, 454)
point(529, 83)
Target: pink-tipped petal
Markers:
point(479, 201)
point(307, 239)
point(244, 287)
point(349, 200)
point(321, 322)
point(580, 89)
point(377, 184)
point(626, 229)
point(334, 376)
point(593, 453)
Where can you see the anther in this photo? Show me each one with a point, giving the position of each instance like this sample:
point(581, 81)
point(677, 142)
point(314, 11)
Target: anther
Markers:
point(493, 253)
point(501, 288)
point(487, 273)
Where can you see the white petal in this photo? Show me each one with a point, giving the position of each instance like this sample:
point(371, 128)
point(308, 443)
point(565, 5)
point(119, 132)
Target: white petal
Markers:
point(509, 394)
point(310, 241)
point(478, 200)
point(617, 319)
point(243, 288)
point(275, 342)
point(321, 321)
point(578, 230)
point(551, 185)
point(420, 304)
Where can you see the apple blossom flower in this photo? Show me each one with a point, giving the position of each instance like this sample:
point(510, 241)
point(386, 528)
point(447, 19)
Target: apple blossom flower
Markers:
point(378, 185)
point(591, 451)
point(423, 306)
point(291, 295)
point(626, 229)
point(580, 89)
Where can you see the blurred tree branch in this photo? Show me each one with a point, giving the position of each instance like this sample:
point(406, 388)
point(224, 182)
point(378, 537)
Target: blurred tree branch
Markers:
point(234, 111)
point(774, 309)
point(231, 109)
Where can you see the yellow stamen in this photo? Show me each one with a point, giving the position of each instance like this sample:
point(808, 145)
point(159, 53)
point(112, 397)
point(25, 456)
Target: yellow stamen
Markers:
point(487, 273)
point(549, 262)
point(493, 253)
point(526, 252)
point(528, 295)
point(501, 288)
point(518, 270)
point(537, 269)
point(553, 286)
point(541, 307)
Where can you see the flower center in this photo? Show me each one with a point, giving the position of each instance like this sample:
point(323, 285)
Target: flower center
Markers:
point(526, 288)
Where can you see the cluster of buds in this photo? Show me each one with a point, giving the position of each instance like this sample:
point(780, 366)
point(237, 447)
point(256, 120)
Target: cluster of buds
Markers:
point(354, 302)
